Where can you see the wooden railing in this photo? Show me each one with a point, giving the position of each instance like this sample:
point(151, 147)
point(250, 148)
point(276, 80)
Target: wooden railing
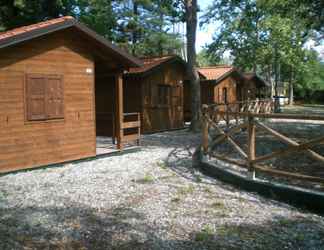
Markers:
point(250, 123)
point(131, 128)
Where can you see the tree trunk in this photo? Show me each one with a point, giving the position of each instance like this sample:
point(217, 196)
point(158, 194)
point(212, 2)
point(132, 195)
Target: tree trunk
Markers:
point(291, 88)
point(191, 23)
point(277, 72)
point(160, 45)
point(134, 32)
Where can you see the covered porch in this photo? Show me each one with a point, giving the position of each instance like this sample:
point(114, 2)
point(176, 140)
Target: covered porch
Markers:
point(115, 130)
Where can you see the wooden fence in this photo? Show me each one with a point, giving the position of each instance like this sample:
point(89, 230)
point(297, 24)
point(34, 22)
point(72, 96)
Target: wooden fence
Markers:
point(130, 130)
point(243, 119)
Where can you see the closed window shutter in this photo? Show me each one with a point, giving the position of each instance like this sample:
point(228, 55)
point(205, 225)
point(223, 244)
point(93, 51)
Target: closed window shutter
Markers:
point(36, 97)
point(54, 97)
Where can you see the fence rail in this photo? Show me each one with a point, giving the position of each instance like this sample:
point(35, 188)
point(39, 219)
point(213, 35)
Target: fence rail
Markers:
point(250, 123)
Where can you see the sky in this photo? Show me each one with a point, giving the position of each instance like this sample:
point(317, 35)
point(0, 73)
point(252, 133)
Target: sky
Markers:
point(204, 35)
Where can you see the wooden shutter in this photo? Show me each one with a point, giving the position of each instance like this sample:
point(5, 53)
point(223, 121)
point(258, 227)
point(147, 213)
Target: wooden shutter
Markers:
point(36, 97)
point(54, 97)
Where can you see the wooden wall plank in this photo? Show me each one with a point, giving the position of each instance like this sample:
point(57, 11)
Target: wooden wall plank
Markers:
point(25, 145)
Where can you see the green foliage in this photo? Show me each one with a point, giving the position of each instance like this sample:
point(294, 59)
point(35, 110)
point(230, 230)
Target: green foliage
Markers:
point(147, 179)
point(186, 190)
point(205, 234)
point(267, 37)
point(23, 12)
point(142, 27)
point(310, 79)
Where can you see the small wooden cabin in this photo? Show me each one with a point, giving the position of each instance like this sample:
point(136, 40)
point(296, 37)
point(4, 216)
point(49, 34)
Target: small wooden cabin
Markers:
point(225, 84)
point(59, 84)
point(254, 87)
point(156, 91)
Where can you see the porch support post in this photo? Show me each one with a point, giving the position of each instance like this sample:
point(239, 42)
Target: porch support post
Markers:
point(119, 109)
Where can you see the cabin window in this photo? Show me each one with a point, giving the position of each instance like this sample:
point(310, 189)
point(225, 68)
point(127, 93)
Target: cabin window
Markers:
point(44, 97)
point(164, 93)
point(225, 95)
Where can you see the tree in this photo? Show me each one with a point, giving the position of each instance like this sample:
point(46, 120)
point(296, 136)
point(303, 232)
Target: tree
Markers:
point(18, 13)
point(98, 15)
point(260, 38)
point(144, 27)
point(191, 25)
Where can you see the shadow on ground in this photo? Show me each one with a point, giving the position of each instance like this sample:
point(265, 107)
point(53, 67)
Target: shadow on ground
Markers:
point(81, 227)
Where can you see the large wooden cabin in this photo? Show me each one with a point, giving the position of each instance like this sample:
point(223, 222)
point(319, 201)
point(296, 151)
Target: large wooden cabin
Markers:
point(156, 91)
point(60, 84)
point(225, 84)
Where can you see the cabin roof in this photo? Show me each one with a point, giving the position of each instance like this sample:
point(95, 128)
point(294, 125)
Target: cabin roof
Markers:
point(259, 80)
point(25, 33)
point(151, 64)
point(215, 72)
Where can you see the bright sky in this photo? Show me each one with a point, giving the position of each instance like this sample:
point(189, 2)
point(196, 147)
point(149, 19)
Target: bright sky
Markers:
point(204, 35)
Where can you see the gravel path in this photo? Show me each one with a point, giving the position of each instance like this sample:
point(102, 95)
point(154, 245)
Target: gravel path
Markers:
point(151, 199)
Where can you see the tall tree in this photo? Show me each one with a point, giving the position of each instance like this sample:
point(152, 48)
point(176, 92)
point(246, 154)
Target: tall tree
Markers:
point(191, 25)
point(260, 38)
point(15, 13)
point(145, 26)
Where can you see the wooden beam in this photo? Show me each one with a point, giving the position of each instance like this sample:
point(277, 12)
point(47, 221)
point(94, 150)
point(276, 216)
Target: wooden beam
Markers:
point(205, 131)
point(289, 141)
point(251, 144)
point(276, 116)
point(290, 149)
point(119, 109)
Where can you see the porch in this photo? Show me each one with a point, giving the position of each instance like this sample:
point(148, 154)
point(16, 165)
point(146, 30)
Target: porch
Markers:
point(115, 130)
point(130, 136)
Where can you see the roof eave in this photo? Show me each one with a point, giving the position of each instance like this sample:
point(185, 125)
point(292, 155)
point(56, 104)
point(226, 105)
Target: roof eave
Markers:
point(10, 41)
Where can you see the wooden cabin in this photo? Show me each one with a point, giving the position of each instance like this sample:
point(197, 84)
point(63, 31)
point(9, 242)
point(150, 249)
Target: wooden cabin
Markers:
point(60, 84)
point(254, 87)
point(156, 91)
point(225, 84)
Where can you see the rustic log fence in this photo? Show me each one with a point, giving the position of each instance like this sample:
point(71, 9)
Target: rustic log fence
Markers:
point(248, 117)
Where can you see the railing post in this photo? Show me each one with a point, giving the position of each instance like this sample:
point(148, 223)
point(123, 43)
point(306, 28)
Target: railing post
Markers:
point(139, 129)
point(205, 127)
point(251, 145)
point(227, 115)
point(119, 109)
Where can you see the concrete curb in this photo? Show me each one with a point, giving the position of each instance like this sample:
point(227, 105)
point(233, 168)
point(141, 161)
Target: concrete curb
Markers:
point(298, 197)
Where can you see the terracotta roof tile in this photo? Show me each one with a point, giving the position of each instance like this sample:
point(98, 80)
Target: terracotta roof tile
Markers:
point(24, 29)
point(215, 72)
point(150, 63)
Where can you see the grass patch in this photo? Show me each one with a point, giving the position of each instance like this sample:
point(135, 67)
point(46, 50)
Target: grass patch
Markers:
point(207, 190)
point(182, 191)
point(175, 199)
point(186, 190)
point(162, 165)
point(218, 205)
point(206, 233)
point(198, 178)
point(147, 179)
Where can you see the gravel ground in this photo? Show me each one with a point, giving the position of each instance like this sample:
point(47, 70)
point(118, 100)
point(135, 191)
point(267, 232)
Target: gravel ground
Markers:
point(152, 199)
